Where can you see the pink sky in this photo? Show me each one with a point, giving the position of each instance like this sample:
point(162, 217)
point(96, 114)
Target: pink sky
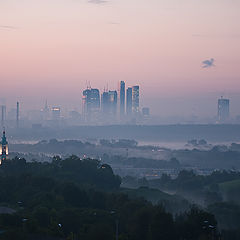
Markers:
point(52, 47)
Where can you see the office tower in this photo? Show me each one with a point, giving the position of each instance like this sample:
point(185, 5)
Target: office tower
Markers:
point(109, 103)
point(86, 101)
point(112, 95)
point(122, 98)
point(56, 113)
point(95, 99)
point(91, 103)
point(145, 111)
point(105, 103)
point(17, 115)
point(129, 101)
point(3, 115)
point(223, 109)
point(3, 148)
point(45, 111)
point(135, 99)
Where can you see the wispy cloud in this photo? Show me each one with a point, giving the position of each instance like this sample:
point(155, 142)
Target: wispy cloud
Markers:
point(7, 27)
point(113, 23)
point(97, 1)
point(208, 63)
point(216, 35)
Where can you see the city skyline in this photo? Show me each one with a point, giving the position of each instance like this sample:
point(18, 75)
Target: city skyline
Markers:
point(103, 108)
point(111, 106)
point(182, 57)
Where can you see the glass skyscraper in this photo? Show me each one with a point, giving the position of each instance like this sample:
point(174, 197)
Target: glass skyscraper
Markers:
point(91, 102)
point(122, 98)
point(129, 101)
point(135, 99)
point(223, 109)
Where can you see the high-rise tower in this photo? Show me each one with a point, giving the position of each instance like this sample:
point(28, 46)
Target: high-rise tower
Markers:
point(135, 99)
point(129, 101)
point(45, 111)
point(105, 103)
point(56, 113)
point(122, 98)
point(223, 109)
point(3, 148)
point(113, 102)
point(109, 104)
point(91, 103)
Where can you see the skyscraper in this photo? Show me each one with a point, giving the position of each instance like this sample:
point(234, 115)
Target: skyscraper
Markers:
point(113, 102)
point(45, 111)
point(109, 104)
point(91, 103)
point(56, 113)
point(129, 101)
point(223, 109)
point(3, 148)
point(86, 102)
point(122, 98)
point(135, 99)
point(105, 103)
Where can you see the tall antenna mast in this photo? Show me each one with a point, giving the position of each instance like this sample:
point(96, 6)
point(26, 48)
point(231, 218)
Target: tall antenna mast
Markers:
point(17, 115)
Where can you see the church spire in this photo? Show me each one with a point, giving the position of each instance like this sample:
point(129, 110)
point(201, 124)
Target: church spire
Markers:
point(3, 147)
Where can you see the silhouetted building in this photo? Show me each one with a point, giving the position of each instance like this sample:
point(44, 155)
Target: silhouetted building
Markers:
point(223, 109)
point(122, 98)
point(112, 102)
point(129, 102)
point(135, 99)
point(3, 148)
point(91, 103)
point(105, 103)
point(86, 101)
point(45, 111)
point(109, 103)
point(56, 113)
point(3, 115)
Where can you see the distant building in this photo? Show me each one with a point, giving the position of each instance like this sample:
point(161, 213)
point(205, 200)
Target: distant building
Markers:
point(109, 103)
point(17, 115)
point(113, 102)
point(122, 98)
point(135, 99)
point(86, 101)
point(129, 102)
point(91, 103)
point(3, 148)
point(223, 109)
point(45, 111)
point(56, 113)
point(3, 115)
point(146, 112)
point(105, 103)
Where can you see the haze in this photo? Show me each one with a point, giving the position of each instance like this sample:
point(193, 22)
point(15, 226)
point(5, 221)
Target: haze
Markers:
point(50, 48)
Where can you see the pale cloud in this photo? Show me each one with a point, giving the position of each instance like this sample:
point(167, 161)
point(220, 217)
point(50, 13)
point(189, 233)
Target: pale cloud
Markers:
point(97, 1)
point(7, 27)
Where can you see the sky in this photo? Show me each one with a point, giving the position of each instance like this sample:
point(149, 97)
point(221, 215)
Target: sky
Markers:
point(53, 49)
